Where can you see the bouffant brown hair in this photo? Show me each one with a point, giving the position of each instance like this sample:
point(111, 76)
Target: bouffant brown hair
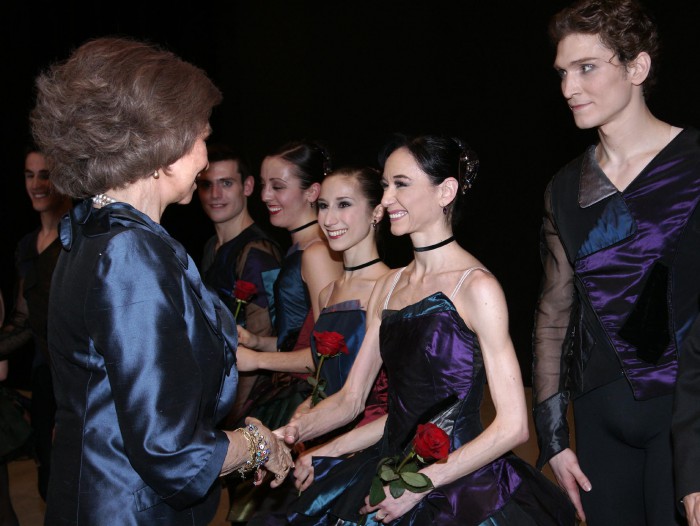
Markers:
point(623, 26)
point(117, 110)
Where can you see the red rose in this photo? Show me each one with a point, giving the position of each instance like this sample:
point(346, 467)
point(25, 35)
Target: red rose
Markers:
point(431, 442)
point(330, 343)
point(244, 290)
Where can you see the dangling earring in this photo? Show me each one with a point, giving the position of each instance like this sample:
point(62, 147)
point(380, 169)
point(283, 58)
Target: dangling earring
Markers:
point(444, 210)
point(374, 224)
point(311, 204)
point(156, 175)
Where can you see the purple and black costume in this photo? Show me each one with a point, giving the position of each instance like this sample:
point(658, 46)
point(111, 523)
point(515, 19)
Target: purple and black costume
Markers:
point(434, 366)
point(621, 288)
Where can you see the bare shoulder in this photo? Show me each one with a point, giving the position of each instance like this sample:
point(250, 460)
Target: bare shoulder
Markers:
point(380, 291)
point(385, 282)
point(317, 251)
point(480, 289)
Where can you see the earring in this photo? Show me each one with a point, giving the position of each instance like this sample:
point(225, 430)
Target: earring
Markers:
point(374, 224)
point(156, 175)
point(444, 210)
point(311, 204)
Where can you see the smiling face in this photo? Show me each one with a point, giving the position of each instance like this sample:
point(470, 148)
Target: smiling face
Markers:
point(280, 190)
point(597, 87)
point(179, 178)
point(221, 191)
point(410, 198)
point(39, 188)
point(344, 212)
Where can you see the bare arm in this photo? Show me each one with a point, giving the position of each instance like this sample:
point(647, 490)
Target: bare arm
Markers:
point(488, 317)
point(483, 300)
point(299, 361)
point(255, 342)
point(355, 440)
point(346, 404)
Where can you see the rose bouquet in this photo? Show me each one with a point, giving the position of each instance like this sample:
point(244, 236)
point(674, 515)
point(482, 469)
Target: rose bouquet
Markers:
point(430, 444)
point(243, 292)
point(329, 344)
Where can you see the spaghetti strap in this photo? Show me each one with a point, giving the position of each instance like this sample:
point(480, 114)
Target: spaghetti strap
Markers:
point(393, 286)
point(461, 280)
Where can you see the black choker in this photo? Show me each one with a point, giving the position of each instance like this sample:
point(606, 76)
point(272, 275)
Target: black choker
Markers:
point(436, 245)
point(358, 267)
point(302, 227)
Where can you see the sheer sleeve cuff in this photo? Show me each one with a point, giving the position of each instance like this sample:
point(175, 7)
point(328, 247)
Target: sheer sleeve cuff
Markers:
point(551, 426)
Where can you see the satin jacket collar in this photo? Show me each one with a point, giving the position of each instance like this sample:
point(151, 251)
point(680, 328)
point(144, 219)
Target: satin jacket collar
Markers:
point(594, 185)
point(98, 221)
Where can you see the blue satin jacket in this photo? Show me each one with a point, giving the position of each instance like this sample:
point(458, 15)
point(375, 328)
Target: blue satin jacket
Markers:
point(143, 361)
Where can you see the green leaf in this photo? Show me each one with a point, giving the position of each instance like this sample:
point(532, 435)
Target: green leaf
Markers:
point(376, 492)
point(387, 473)
point(411, 467)
point(387, 460)
point(397, 488)
point(417, 480)
point(311, 380)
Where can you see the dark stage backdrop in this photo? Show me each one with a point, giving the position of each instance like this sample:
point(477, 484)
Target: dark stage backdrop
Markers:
point(351, 73)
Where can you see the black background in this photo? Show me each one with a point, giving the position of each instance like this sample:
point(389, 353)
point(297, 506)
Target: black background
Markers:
point(351, 73)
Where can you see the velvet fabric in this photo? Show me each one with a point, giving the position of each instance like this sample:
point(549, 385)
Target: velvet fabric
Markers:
point(143, 362)
point(435, 369)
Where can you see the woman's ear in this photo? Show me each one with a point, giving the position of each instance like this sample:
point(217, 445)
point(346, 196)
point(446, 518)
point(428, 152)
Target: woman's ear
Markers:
point(639, 68)
point(377, 213)
point(313, 191)
point(448, 191)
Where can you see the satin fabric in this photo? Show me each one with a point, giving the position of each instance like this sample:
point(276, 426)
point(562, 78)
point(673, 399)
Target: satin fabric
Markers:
point(144, 369)
point(435, 369)
point(349, 319)
point(621, 283)
point(220, 268)
point(292, 302)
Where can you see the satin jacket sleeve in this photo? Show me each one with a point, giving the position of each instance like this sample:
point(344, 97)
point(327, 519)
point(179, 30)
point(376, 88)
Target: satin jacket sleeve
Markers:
point(550, 400)
point(139, 312)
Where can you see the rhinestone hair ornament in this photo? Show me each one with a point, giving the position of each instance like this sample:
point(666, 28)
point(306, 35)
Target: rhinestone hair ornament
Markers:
point(327, 167)
point(468, 167)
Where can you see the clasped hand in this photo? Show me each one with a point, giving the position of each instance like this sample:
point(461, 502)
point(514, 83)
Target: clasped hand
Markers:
point(280, 457)
point(280, 461)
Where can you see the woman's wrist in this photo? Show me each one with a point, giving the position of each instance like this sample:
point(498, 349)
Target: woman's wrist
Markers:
point(258, 449)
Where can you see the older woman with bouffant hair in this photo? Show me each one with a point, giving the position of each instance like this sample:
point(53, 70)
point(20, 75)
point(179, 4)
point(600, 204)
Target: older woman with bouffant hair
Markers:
point(142, 352)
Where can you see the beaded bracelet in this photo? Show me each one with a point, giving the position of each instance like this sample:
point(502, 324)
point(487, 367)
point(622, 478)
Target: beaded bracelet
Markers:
point(257, 447)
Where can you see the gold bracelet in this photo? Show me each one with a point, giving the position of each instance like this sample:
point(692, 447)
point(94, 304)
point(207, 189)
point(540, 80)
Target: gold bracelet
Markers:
point(257, 448)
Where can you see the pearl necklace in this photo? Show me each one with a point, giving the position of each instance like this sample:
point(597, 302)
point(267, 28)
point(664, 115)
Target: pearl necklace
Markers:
point(101, 200)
